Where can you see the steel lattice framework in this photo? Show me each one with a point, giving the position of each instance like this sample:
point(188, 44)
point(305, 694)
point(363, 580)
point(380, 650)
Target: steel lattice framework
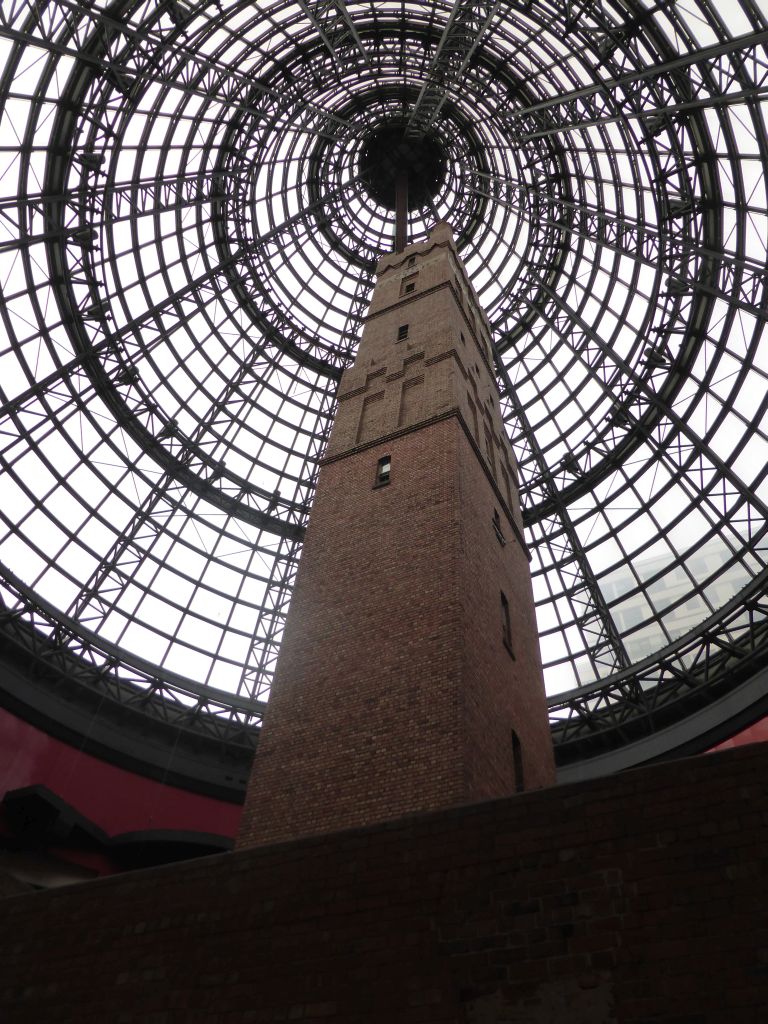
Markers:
point(187, 248)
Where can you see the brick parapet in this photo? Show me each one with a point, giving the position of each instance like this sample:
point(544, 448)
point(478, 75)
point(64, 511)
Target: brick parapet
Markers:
point(626, 900)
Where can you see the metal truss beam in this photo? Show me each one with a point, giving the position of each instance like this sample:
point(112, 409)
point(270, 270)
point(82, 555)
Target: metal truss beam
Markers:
point(692, 671)
point(117, 202)
point(60, 642)
point(463, 33)
point(739, 280)
point(261, 660)
point(651, 91)
point(654, 116)
point(335, 27)
point(672, 437)
point(120, 564)
point(129, 60)
point(602, 640)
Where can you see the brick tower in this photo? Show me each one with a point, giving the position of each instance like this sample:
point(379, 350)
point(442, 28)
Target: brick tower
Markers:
point(409, 676)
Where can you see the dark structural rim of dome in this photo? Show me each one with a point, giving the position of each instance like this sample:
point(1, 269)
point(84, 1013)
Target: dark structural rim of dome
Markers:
point(644, 700)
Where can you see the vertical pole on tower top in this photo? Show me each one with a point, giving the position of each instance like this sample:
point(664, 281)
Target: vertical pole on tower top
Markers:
point(401, 211)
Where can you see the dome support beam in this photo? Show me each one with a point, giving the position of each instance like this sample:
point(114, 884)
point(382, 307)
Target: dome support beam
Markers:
point(629, 236)
point(748, 47)
point(602, 640)
point(199, 76)
point(698, 445)
point(691, 672)
point(337, 30)
point(463, 33)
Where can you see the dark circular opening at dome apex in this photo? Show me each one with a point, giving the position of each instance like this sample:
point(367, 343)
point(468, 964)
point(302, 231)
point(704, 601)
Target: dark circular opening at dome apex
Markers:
point(388, 152)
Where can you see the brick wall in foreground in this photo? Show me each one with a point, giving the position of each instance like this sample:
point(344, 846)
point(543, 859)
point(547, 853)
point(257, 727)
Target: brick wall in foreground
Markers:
point(637, 898)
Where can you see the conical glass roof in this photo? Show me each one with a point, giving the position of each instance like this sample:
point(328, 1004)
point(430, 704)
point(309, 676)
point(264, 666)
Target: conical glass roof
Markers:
point(188, 235)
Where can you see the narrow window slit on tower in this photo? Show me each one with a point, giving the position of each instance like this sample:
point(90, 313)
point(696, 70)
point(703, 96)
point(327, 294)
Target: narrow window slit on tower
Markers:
point(507, 489)
point(473, 412)
point(489, 449)
point(497, 528)
point(517, 761)
point(409, 284)
point(506, 628)
point(402, 332)
point(383, 470)
point(411, 261)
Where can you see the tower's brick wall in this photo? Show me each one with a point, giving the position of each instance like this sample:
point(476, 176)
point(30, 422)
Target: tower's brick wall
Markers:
point(397, 693)
point(409, 670)
point(502, 686)
point(637, 899)
point(363, 723)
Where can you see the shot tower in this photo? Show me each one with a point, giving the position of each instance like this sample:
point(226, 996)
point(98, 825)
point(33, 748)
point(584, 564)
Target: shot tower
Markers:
point(409, 676)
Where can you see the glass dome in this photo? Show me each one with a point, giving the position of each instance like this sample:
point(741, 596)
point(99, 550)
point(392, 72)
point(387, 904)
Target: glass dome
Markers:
point(188, 236)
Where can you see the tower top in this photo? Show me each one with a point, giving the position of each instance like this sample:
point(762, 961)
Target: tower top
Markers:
point(429, 264)
point(440, 234)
